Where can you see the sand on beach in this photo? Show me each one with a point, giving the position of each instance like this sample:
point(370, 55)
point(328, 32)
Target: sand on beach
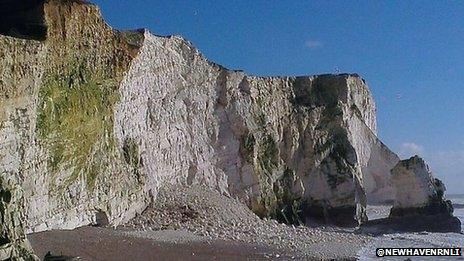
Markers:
point(94, 243)
point(195, 223)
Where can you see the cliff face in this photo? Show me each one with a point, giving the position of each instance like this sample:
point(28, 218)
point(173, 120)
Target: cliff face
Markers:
point(13, 242)
point(57, 117)
point(277, 143)
point(414, 184)
point(95, 121)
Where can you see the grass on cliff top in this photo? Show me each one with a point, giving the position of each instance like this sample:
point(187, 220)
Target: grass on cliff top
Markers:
point(75, 119)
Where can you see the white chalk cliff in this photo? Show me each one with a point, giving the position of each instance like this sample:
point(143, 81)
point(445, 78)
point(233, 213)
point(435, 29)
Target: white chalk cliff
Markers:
point(419, 193)
point(414, 184)
point(93, 120)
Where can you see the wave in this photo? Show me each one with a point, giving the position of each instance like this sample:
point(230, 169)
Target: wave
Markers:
point(455, 197)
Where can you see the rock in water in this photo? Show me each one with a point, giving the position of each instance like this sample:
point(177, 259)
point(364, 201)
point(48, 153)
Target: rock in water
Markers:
point(420, 197)
point(419, 203)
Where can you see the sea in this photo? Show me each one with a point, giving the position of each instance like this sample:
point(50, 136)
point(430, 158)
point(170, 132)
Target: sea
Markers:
point(420, 239)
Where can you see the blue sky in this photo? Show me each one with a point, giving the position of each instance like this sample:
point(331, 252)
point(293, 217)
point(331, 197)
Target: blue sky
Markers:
point(410, 52)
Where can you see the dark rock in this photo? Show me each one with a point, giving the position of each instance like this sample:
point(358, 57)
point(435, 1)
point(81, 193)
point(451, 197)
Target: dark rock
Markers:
point(340, 216)
point(430, 223)
point(101, 219)
point(23, 19)
point(440, 207)
point(50, 257)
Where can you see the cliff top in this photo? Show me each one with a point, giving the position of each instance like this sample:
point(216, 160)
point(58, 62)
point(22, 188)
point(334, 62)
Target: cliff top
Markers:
point(50, 19)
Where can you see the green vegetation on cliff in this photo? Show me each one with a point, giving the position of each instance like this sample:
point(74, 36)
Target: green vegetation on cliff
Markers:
point(288, 207)
point(268, 155)
point(75, 119)
point(131, 152)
